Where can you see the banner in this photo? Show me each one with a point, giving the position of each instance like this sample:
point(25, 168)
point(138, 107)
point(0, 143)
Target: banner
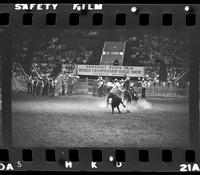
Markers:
point(106, 70)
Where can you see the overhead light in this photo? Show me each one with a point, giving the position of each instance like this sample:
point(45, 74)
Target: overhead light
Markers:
point(187, 8)
point(134, 9)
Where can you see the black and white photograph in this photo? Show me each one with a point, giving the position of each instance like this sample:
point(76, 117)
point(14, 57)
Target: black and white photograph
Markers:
point(100, 88)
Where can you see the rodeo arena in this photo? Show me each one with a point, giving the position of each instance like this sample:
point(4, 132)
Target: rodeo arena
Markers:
point(109, 101)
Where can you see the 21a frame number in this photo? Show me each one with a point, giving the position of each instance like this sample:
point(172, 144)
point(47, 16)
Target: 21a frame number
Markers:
point(189, 167)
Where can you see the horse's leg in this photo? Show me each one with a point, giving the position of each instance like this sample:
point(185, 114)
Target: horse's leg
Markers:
point(120, 101)
point(123, 104)
point(107, 102)
point(130, 99)
point(124, 97)
point(118, 109)
point(112, 110)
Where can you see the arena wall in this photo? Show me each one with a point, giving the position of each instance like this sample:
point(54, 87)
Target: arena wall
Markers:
point(89, 86)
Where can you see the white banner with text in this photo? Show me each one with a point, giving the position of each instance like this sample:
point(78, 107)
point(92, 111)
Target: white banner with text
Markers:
point(106, 70)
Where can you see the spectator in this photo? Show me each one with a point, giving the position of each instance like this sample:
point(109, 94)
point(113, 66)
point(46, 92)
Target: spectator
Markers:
point(63, 88)
point(51, 88)
point(116, 62)
point(100, 84)
point(154, 82)
point(34, 86)
point(45, 89)
point(29, 84)
point(144, 85)
point(70, 87)
point(40, 86)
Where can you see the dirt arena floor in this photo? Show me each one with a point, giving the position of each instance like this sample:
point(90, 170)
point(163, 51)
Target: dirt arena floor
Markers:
point(83, 121)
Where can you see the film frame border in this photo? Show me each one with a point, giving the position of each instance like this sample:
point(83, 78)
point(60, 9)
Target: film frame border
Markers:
point(155, 162)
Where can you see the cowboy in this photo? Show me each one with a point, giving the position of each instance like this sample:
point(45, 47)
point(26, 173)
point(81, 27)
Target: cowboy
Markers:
point(34, 86)
point(45, 89)
point(105, 81)
point(127, 83)
point(117, 83)
point(127, 93)
point(116, 90)
point(100, 84)
point(144, 86)
point(51, 88)
point(29, 83)
point(63, 88)
point(40, 86)
point(70, 85)
point(116, 62)
point(54, 87)
point(115, 97)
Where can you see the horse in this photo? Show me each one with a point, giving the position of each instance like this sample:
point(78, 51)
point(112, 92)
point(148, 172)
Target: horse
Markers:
point(130, 95)
point(127, 96)
point(115, 101)
point(134, 95)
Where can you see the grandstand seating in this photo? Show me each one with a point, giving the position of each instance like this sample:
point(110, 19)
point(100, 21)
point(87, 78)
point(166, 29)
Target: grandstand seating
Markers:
point(86, 47)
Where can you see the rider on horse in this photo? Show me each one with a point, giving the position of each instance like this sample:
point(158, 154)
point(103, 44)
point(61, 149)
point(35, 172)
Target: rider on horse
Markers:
point(129, 94)
point(127, 83)
point(116, 90)
point(126, 86)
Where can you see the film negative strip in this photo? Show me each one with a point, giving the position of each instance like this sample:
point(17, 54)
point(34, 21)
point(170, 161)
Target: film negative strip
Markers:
point(99, 87)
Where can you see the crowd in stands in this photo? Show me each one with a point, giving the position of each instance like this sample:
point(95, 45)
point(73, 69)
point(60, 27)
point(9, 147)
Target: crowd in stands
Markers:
point(141, 50)
point(150, 50)
point(60, 52)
